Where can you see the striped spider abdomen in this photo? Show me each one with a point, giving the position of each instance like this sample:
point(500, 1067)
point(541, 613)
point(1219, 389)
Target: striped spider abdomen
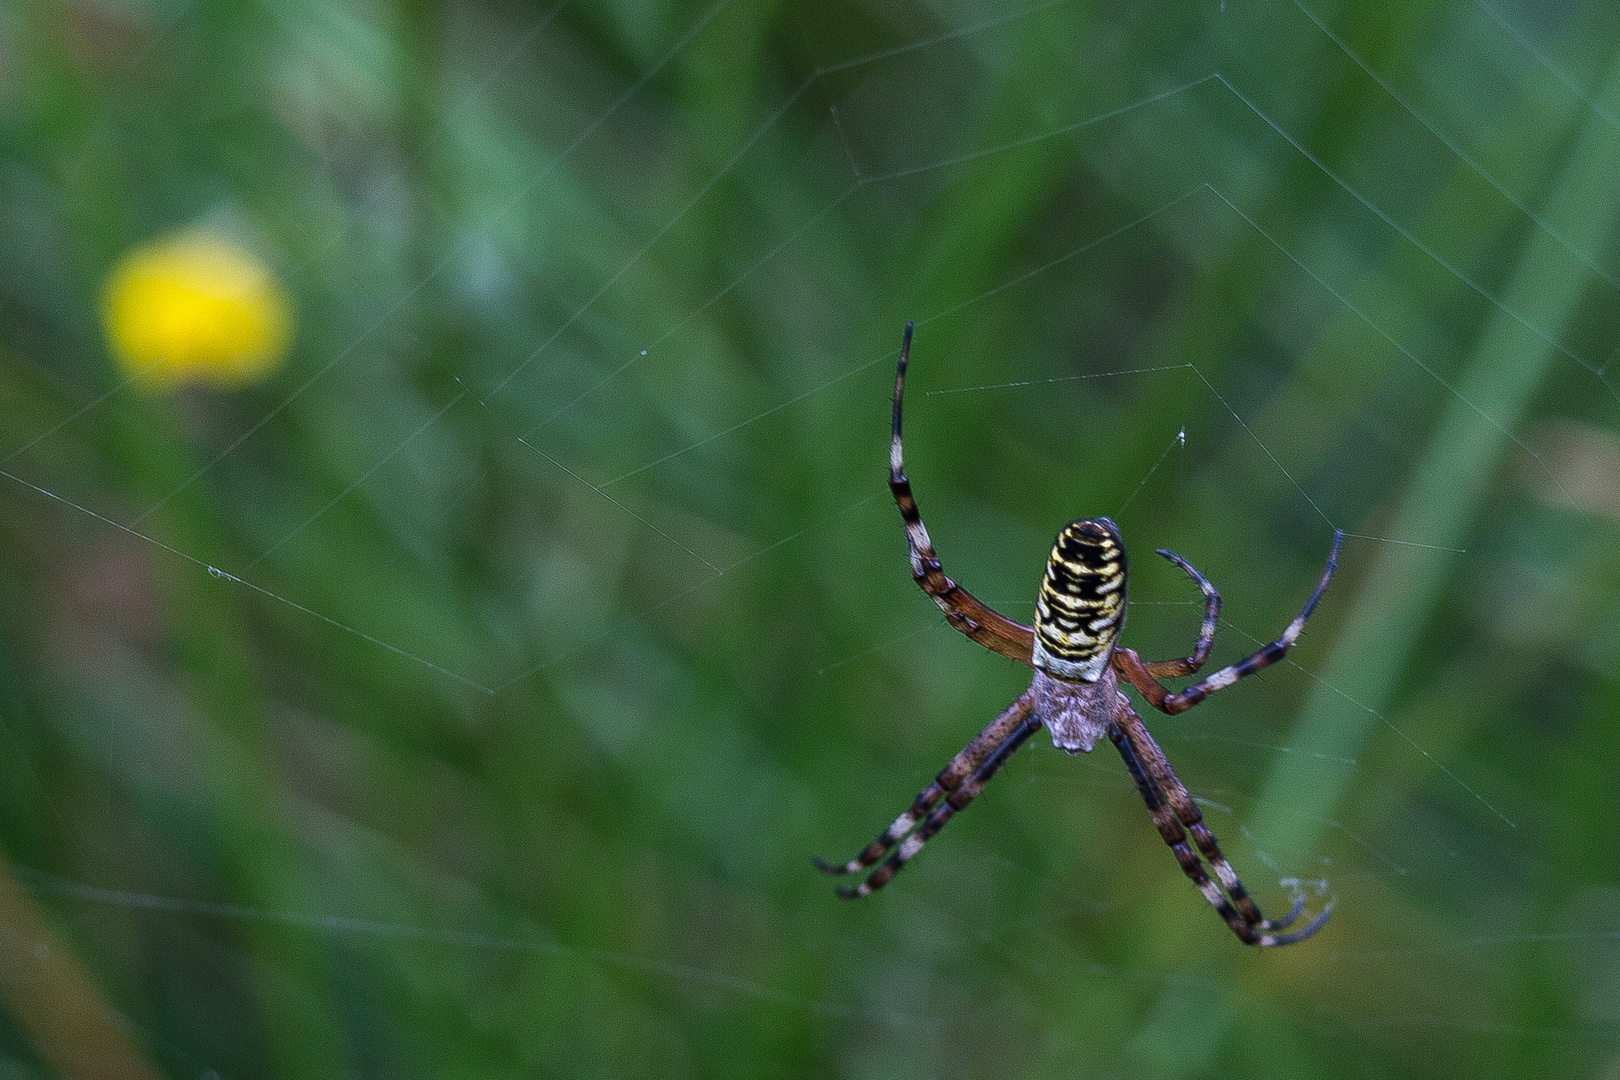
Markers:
point(1081, 605)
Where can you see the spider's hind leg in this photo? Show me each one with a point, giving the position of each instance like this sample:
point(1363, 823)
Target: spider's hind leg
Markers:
point(1170, 669)
point(1186, 698)
point(963, 611)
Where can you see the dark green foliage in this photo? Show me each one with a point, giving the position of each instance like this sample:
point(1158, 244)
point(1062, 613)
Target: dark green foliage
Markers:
point(558, 612)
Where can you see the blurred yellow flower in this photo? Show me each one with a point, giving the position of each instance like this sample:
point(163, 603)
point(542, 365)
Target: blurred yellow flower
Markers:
point(195, 307)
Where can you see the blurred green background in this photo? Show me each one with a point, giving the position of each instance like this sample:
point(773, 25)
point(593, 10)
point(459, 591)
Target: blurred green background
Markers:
point(467, 699)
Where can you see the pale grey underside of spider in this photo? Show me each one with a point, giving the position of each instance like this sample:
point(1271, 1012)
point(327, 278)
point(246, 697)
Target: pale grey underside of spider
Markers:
point(1076, 695)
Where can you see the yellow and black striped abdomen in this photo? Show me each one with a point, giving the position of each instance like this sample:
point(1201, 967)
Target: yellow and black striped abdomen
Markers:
point(1082, 601)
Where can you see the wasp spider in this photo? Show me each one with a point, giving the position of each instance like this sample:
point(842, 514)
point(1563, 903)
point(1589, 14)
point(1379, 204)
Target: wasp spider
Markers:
point(1076, 695)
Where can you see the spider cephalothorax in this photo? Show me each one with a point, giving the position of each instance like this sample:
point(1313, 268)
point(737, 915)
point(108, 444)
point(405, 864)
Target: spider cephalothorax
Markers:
point(1076, 695)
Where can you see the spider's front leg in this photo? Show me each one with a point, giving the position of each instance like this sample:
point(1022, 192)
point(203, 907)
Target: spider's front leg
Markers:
point(1176, 815)
point(958, 783)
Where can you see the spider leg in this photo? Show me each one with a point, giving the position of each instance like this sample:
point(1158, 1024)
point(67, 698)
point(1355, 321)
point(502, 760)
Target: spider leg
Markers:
point(963, 794)
point(1170, 669)
point(1176, 837)
point(1128, 663)
point(1141, 674)
point(962, 610)
point(1176, 815)
point(960, 768)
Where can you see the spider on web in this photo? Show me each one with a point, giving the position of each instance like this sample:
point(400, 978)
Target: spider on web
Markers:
point(1076, 695)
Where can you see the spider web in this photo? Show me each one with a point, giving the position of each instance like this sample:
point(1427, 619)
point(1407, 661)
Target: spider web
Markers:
point(560, 590)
